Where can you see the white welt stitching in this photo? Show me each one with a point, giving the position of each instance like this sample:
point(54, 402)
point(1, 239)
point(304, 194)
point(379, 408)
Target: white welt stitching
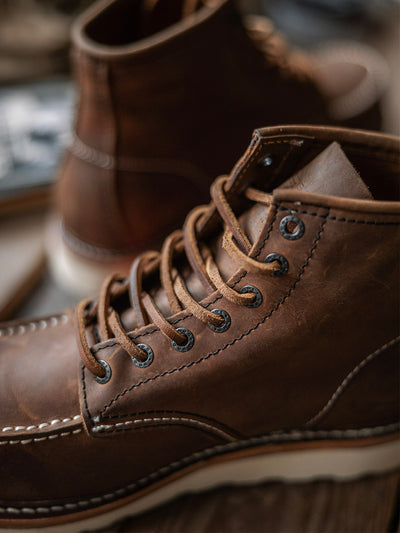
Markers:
point(192, 421)
point(20, 329)
point(197, 456)
point(42, 425)
point(349, 378)
point(40, 439)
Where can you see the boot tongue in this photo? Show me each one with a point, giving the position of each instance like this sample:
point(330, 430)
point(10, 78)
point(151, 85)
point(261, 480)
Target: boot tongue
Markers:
point(330, 173)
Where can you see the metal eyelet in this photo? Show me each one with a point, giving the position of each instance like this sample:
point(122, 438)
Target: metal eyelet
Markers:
point(189, 340)
point(107, 376)
point(258, 296)
point(225, 324)
point(266, 161)
point(291, 235)
point(282, 261)
point(150, 356)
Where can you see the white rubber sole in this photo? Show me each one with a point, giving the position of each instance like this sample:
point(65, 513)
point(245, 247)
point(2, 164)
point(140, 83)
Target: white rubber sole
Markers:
point(74, 273)
point(334, 461)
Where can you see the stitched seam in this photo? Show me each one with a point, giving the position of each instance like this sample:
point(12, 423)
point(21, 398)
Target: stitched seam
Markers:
point(166, 425)
point(171, 412)
point(267, 235)
point(84, 392)
point(42, 425)
point(174, 419)
point(241, 169)
point(29, 327)
point(41, 439)
point(337, 219)
point(350, 376)
point(244, 166)
point(188, 365)
point(293, 436)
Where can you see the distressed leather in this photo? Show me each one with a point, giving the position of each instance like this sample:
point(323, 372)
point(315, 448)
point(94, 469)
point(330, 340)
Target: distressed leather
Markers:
point(320, 354)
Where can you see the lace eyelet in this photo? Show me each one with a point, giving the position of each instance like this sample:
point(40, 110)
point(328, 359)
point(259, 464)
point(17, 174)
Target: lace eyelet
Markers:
point(107, 376)
point(258, 296)
point(266, 161)
point(291, 235)
point(189, 341)
point(150, 356)
point(225, 324)
point(282, 261)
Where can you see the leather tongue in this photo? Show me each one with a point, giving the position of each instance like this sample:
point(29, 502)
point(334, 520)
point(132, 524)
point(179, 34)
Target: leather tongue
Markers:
point(329, 173)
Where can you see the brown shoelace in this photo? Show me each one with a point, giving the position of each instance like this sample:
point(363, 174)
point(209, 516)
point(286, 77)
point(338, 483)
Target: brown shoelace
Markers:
point(235, 243)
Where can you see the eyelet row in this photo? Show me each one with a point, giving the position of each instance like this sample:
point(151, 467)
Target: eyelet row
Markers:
point(284, 228)
point(284, 267)
point(187, 333)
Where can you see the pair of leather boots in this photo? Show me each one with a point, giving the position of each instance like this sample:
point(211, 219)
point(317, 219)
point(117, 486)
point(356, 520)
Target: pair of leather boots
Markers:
point(262, 340)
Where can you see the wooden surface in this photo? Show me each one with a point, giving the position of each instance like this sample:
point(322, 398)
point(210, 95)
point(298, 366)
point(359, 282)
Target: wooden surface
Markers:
point(365, 506)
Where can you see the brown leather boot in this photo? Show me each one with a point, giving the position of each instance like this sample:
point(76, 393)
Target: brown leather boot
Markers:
point(169, 94)
point(262, 342)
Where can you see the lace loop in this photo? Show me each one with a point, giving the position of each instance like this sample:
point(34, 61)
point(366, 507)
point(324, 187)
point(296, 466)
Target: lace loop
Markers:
point(126, 343)
point(195, 308)
point(226, 291)
point(156, 317)
point(244, 260)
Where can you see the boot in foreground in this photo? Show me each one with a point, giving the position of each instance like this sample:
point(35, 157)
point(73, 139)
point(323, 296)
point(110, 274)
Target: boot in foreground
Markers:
point(262, 342)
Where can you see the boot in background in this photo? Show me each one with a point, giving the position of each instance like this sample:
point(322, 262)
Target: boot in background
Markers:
point(169, 93)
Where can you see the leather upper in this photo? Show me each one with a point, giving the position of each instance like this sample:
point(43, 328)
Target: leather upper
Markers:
point(319, 354)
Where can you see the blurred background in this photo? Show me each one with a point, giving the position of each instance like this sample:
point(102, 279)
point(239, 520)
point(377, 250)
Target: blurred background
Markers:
point(37, 101)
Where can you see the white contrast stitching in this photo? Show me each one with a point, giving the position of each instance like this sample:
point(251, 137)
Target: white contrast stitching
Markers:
point(327, 407)
point(41, 439)
point(197, 456)
point(20, 329)
point(42, 424)
point(105, 427)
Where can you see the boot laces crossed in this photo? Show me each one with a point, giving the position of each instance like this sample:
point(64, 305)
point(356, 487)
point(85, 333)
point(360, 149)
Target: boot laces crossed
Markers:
point(235, 243)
